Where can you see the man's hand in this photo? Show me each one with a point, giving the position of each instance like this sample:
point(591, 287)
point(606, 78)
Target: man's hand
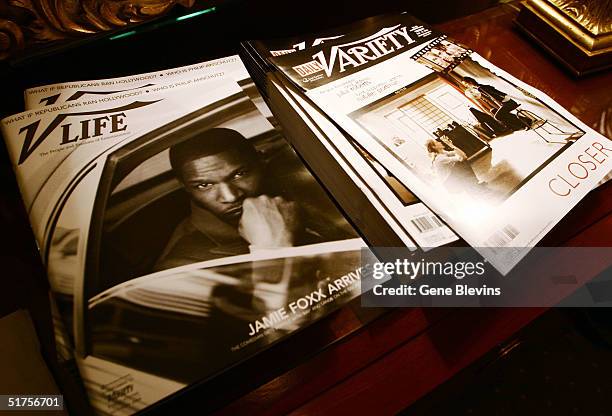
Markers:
point(269, 222)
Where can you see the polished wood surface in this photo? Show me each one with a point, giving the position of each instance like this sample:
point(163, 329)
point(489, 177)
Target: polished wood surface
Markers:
point(399, 358)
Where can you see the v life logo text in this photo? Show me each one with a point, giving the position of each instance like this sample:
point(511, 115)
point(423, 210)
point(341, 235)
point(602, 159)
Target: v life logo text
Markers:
point(110, 120)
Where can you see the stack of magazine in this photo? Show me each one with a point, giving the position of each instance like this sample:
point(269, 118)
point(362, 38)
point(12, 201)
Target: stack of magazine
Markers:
point(424, 131)
point(182, 233)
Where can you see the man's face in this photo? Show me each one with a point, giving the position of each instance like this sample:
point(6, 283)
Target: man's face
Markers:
point(221, 182)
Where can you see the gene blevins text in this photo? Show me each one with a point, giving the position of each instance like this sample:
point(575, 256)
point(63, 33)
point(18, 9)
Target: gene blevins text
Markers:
point(425, 290)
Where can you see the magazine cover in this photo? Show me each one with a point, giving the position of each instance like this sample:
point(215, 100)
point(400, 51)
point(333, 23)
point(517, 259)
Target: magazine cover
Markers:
point(180, 232)
point(499, 161)
point(410, 216)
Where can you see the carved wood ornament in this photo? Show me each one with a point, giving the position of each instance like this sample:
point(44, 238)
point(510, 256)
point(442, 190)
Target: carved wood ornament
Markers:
point(594, 15)
point(24, 23)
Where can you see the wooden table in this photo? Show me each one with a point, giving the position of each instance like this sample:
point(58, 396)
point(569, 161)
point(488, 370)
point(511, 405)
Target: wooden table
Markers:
point(394, 361)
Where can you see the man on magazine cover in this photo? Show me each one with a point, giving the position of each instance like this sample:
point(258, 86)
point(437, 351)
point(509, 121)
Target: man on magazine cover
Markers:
point(234, 209)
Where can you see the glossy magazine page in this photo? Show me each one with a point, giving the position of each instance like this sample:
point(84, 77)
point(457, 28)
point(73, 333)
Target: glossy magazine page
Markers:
point(499, 161)
point(180, 232)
